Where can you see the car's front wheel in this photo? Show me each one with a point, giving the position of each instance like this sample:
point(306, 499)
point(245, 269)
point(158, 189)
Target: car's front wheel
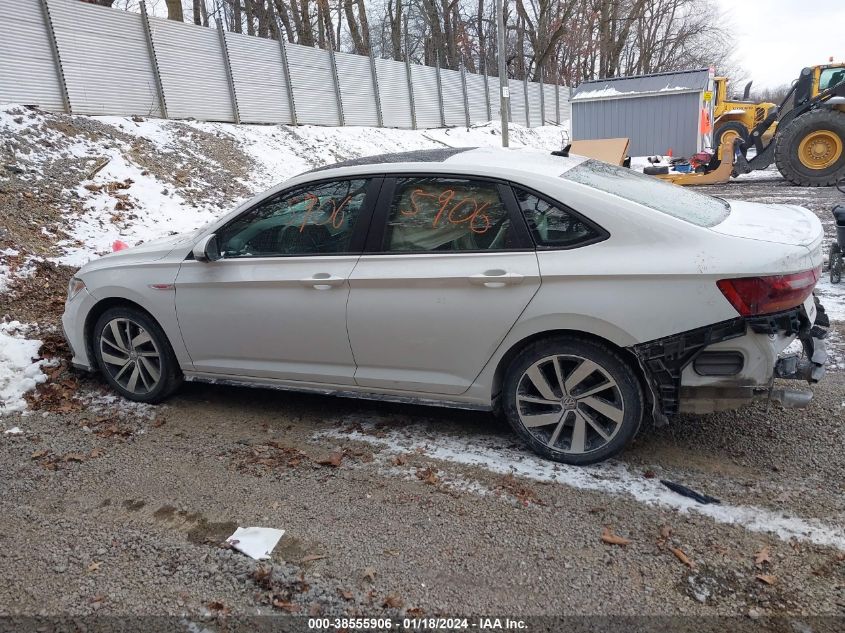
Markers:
point(572, 400)
point(135, 356)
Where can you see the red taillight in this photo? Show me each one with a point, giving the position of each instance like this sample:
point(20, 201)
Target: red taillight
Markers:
point(762, 295)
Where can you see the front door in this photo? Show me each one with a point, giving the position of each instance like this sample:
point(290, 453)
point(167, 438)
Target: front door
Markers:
point(274, 305)
point(454, 271)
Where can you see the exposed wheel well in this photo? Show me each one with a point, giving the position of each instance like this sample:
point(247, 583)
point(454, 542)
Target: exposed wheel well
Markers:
point(504, 362)
point(97, 311)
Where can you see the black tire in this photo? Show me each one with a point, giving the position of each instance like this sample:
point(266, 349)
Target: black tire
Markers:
point(170, 376)
point(734, 126)
point(626, 390)
point(788, 143)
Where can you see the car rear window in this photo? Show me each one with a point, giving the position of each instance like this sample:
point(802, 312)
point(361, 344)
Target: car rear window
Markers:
point(651, 192)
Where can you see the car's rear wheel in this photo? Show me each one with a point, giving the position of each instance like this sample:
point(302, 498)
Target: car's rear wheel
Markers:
point(572, 400)
point(135, 356)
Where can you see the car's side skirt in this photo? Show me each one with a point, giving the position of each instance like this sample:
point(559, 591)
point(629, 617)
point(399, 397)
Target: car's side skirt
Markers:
point(343, 391)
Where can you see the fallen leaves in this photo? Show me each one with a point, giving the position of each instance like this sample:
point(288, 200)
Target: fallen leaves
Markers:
point(762, 556)
point(428, 475)
point(681, 556)
point(257, 460)
point(311, 558)
point(93, 566)
point(332, 459)
point(767, 578)
point(369, 574)
point(608, 537)
point(285, 605)
point(392, 602)
point(519, 490)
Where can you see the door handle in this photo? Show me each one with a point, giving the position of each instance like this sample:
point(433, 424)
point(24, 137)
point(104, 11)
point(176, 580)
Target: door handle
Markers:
point(496, 279)
point(322, 281)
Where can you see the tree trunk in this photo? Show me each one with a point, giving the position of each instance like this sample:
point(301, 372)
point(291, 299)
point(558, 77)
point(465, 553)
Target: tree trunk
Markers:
point(174, 10)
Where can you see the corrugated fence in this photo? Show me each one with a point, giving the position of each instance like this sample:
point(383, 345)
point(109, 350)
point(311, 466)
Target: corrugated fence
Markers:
point(65, 55)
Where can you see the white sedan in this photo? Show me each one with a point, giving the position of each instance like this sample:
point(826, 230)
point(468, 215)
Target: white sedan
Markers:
point(573, 296)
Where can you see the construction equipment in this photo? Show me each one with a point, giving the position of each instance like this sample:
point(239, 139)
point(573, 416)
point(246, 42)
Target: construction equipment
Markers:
point(837, 249)
point(806, 142)
point(736, 115)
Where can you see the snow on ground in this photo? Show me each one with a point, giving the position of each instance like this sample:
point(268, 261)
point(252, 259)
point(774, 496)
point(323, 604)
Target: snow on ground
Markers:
point(498, 456)
point(832, 297)
point(18, 371)
point(280, 151)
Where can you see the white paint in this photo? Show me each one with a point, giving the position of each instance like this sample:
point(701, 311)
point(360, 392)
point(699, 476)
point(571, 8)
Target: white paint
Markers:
point(495, 455)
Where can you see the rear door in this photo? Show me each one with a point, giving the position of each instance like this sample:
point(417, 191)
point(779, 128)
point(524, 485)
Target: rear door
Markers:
point(449, 267)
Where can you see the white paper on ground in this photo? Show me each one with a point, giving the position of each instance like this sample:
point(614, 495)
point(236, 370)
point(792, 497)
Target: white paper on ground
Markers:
point(255, 542)
point(13, 431)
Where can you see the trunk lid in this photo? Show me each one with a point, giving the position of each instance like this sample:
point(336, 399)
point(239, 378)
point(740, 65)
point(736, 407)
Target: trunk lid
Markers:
point(778, 223)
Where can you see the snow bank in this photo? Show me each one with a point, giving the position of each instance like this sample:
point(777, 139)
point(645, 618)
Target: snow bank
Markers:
point(156, 208)
point(18, 372)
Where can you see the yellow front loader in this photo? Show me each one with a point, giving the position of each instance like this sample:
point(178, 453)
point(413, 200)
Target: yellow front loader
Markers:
point(806, 142)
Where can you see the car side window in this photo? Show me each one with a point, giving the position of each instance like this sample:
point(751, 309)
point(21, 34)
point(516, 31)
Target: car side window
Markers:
point(447, 214)
point(551, 225)
point(312, 220)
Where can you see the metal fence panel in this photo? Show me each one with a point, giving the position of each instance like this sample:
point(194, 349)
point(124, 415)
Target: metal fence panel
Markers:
point(495, 98)
point(517, 101)
point(534, 109)
point(393, 89)
point(453, 97)
point(28, 72)
point(260, 79)
point(313, 85)
point(476, 98)
point(193, 71)
point(106, 59)
point(549, 104)
point(356, 89)
point(425, 96)
point(565, 106)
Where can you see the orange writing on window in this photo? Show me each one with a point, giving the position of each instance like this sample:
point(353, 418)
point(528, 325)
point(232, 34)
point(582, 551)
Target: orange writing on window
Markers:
point(335, 218)
point(475, 216)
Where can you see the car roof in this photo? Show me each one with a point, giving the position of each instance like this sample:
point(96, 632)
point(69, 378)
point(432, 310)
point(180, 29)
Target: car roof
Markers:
point(482, 161)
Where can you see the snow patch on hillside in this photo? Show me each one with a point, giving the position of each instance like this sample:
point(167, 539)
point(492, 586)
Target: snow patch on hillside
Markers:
point(148, 208)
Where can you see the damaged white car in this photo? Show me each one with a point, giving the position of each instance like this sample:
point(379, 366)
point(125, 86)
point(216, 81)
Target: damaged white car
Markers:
point(574, 296)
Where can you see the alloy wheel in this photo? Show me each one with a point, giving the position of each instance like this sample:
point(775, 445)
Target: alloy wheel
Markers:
point(570, 403)
point(130, 355)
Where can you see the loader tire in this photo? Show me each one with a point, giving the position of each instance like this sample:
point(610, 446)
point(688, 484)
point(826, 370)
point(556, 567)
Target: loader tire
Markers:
point(810, 152)
point(733, 127)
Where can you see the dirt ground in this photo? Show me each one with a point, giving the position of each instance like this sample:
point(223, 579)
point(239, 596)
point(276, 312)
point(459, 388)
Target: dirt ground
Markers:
point(117, 510)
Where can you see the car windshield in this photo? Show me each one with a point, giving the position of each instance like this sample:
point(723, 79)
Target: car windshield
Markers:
point(651, 192)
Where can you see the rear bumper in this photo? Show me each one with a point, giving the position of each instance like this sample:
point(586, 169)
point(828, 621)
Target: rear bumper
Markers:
point(754, 349)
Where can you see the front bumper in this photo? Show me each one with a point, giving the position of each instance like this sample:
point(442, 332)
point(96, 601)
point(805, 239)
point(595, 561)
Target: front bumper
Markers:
point(73, 327)
point(676, 387)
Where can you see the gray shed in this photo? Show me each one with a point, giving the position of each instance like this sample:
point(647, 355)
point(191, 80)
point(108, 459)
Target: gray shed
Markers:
point(657, 112)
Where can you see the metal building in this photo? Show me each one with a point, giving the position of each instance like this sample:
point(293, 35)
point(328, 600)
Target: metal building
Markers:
point(656, 112)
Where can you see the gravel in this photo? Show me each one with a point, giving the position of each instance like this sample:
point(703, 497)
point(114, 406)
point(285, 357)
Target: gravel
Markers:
point(113, 509)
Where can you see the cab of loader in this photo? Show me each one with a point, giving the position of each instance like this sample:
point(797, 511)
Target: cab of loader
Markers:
point(734, 116)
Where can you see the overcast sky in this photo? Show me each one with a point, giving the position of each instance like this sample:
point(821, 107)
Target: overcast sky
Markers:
point(775, 39)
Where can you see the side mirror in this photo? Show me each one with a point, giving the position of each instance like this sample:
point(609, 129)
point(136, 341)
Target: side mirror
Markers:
point(207, 250)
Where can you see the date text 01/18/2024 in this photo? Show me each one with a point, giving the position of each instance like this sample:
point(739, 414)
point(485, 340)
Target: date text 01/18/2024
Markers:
point(417, 624)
